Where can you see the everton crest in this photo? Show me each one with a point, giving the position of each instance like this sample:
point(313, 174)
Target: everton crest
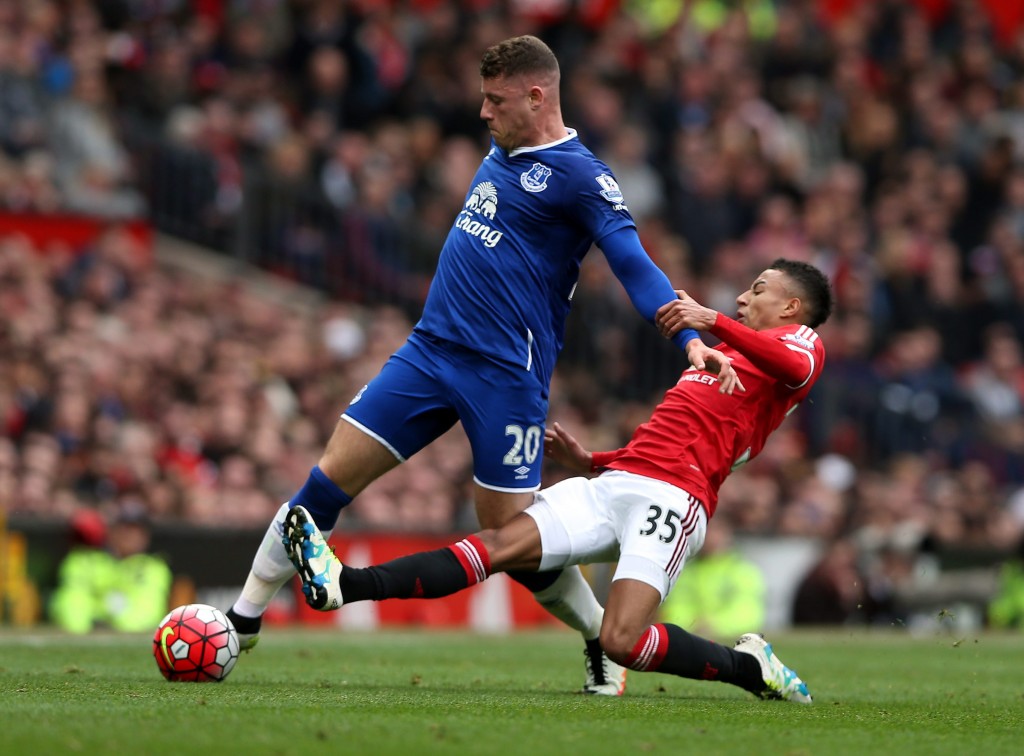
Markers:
point(535, 179)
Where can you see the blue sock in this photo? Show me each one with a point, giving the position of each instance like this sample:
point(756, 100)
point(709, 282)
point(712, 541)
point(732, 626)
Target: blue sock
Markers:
point(321, 498)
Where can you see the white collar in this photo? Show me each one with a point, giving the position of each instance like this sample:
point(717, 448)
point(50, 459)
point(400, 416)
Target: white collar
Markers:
point(570, 134)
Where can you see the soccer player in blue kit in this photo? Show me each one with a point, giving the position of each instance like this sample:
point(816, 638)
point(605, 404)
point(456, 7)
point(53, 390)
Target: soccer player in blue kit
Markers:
point(492, 327)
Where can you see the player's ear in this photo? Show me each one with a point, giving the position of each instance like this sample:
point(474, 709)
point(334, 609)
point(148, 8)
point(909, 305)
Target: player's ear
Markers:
point(793, 308)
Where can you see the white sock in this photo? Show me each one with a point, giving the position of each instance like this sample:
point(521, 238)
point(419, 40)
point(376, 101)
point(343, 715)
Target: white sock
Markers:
point(571, 599)
point(271, 569)
point(256, 595)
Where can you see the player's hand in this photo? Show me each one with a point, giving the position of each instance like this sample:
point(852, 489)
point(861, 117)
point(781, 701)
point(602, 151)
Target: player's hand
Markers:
point(711, 360)
point(685, 312)
point(562, 446)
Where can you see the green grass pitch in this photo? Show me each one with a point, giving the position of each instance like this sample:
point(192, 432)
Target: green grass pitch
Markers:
point(416, 693)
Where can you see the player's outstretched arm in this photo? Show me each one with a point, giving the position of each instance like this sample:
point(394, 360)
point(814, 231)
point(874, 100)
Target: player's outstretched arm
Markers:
point(765, 352)
point(684, 312)
point(647, 286)
point(649, 289)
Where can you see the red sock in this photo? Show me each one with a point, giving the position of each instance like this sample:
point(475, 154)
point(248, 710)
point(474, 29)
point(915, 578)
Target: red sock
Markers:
point(673, 651)
point(649, 652)
point(473, 556)
point(427, 574)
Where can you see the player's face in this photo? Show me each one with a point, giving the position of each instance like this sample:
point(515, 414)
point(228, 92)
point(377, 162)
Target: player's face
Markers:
point(765, 302)
point(508, 111)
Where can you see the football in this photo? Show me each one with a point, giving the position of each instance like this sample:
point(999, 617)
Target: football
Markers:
point(195, 643)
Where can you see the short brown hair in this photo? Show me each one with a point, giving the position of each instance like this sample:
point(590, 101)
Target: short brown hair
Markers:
point(518, 55)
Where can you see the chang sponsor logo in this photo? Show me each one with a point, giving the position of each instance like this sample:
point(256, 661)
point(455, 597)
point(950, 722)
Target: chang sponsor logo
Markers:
point(483, 201)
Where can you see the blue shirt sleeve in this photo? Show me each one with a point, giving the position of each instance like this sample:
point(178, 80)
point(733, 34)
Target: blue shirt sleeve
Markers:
point(648, 287)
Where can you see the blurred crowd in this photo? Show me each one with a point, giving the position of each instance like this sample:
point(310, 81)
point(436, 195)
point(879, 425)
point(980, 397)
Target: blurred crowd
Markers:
point(125, 381)
point(332, 141)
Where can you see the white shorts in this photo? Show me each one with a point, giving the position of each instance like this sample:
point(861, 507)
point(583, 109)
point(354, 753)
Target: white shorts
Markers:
point(649, 526)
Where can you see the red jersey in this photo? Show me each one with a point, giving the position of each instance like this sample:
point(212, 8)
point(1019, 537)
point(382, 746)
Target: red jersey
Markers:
point(697, 435)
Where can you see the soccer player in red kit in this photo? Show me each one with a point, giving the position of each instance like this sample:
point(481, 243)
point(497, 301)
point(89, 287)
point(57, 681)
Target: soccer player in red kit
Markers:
point(650, 505)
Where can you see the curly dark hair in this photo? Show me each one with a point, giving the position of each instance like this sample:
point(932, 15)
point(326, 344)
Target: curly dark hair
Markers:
point(814, 288)
point(518, 55)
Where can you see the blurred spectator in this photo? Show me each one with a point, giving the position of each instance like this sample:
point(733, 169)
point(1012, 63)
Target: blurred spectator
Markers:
point(235, 499)
point(995, 385)
point(699, 201)
point(778, 232)
point(723, 594)
point(78, 602)
point(627, 156)
point(22, 107)
point(842, 416)
point(833, 592)
point(752, 501)
point(817, 510)
point(108, 580)
point(93, 168)
point(1006, 609)
point(921, 408)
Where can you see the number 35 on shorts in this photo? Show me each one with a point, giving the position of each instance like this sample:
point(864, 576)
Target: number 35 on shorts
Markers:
point(664, 523)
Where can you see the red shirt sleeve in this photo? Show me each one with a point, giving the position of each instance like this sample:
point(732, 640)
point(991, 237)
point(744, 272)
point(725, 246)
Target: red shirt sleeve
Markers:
point(789, 364)
point(602, 459)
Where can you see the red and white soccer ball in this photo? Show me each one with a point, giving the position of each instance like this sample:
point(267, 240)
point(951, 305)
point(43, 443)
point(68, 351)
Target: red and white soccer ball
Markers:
point(195, 643)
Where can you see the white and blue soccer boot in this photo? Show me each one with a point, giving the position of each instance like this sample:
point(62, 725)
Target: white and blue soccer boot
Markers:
point(317, 566)
point(780, 681)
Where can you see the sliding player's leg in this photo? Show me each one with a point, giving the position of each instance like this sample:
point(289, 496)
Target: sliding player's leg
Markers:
point(658, 536)
point(632, 638)
point(328, 584)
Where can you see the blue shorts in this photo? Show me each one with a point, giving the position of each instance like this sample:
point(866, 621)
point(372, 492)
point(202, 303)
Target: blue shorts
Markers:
point(430, 384)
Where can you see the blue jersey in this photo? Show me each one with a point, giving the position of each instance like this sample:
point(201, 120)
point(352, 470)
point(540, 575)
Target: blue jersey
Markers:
point(510, 263)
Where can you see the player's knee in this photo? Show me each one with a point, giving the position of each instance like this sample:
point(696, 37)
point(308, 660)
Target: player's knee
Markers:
point(618, 641)
point(490, 540)
point(502, 551)
point(515, 546)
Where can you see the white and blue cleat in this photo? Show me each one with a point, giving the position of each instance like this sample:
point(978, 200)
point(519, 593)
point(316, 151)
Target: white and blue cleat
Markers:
point(781, 683)
point(318, 567)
